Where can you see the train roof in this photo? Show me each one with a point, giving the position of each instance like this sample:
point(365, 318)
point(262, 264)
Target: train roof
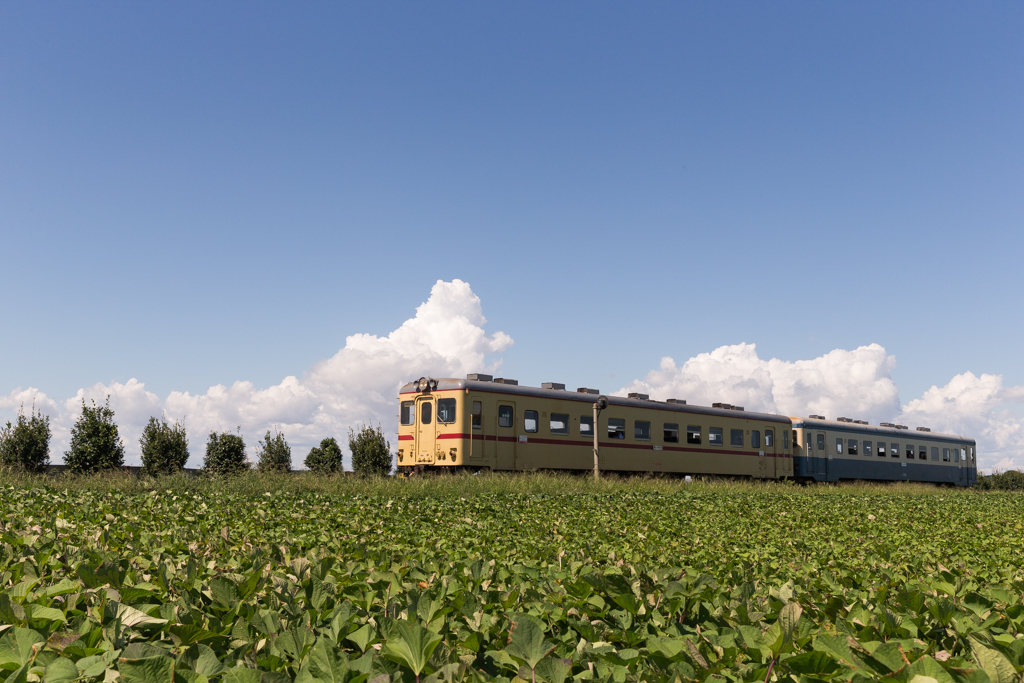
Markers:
point(892, 431)
point(450, 384)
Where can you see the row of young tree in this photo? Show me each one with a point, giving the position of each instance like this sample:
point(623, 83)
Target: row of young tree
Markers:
point(96, 445)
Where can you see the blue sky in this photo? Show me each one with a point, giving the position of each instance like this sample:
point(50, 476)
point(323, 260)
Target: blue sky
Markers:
point(194, 194)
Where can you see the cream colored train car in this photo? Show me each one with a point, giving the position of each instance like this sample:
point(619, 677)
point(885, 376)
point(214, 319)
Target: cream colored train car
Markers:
point(484, 423)
point(831, 450)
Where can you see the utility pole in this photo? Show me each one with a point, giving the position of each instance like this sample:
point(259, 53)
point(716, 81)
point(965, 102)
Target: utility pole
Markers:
point(600, 404)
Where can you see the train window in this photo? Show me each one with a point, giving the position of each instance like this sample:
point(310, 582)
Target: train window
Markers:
point(530, 420)
point(956, 455)
point(586, 425)
point(935, 452)
point(821, 442)
point(478, 410)
point(945, 454)
point(506, 416)
point(616, 428)
point(922, 453)
point(559, 423)
point(769, 438)
point(426, 412)
point(693, 434)
point(881, 452)
point(867, 448)
point(671, 432)
point(910, 451)
point(970, 452)
point(785, 439)
point(839, 446)
point(446, 410)
point(755, 438)
point(851, 446)
point(715, 437)
point(894, 450)
point(642, 430)
point(736, 437)
point(408, 412)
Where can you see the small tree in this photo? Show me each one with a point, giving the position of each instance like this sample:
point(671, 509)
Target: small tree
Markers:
point(325, 458)
point(95, 442)
point(371, 452)
point(164, 447)
point(225, 454)
point(25, 445)
point(275, 455)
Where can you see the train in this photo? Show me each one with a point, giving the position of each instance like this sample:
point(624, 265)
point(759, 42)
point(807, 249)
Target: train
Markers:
point(483, 423)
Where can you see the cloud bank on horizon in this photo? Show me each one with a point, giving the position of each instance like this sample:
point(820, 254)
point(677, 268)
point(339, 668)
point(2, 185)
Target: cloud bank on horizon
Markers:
point(447, 338)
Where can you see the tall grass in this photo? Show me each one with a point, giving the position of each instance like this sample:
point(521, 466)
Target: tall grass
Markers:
point(453, 485)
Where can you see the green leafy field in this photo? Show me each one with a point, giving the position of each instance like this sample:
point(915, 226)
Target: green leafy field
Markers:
point(273, 580)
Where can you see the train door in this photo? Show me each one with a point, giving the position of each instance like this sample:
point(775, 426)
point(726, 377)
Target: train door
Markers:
point(771, 464)
point(425, 432)
point(505, 442)
point(824, 456)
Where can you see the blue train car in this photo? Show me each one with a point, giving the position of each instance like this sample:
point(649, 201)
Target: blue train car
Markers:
point(834, 450)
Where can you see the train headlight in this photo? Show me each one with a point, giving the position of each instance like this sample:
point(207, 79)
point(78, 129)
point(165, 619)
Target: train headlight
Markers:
point(454, 453)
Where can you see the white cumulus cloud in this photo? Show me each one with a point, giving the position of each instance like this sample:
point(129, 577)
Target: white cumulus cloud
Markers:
point(445, 338)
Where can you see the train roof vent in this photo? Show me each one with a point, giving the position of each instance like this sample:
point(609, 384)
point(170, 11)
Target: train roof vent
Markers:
point(552, 385)
point(739, 408)
point(677, 401)
point(843, 419)
point(502, 380)
point(886, 424)
point(479, 377)
point(642, 397)
point(585, 390)
point(924, 429)
point(902, 427)
point(861, 422)
point(723, 406)
point(816, 417)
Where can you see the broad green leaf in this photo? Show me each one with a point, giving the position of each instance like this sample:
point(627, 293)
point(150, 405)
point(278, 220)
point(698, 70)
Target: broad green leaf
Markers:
point(528, 644)
point(18, 646)
point(327, 664)
point(837, 647)
point(60, 670)
point(815, 663)
point(241, 675)
point(411, 645)
point(361, 637)
point(225, 591)
point(789, 617)
point(147, 670)
point(36, 613)
point(186, 634)
point(144, 650)
point(202, 660)
point(20, 674)
point(554, 669)
point(672, 649)
point(132, 617)
point(926, 666)
point(65, 587)
point(996, 665)
point(890, 656)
